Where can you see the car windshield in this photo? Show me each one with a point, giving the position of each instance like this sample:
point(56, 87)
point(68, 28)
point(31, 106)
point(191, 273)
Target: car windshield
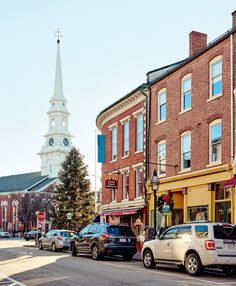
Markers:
point(67, 233)
point(120, 230)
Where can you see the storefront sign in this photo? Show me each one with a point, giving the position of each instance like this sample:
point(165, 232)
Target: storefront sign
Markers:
point(111, 182)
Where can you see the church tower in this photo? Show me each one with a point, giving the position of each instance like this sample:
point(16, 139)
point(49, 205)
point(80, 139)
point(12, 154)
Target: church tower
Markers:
point(58, 138)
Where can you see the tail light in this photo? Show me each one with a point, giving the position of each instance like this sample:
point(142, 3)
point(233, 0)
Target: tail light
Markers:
point(60, 237)
point(210, 245)
point(106, 235)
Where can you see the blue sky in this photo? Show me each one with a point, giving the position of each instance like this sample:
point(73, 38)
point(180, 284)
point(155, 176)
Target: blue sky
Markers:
point(107, 48)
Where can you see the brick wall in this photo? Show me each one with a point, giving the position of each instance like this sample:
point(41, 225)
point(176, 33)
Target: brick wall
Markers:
point(132, 159)
point(197, 119)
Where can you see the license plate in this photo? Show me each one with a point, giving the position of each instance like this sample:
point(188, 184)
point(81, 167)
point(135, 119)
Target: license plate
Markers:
point(231, 246)
point(122, 239)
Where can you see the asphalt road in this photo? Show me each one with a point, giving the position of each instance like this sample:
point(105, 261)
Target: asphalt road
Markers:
point(21, 263)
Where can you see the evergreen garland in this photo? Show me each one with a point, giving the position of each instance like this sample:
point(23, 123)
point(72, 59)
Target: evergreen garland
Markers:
point(165, 199)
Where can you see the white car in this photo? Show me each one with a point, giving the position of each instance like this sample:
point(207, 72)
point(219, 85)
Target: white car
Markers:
point(194, 246)
point(4, 234)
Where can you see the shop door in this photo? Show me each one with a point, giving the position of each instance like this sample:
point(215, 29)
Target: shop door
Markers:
point(223, 212)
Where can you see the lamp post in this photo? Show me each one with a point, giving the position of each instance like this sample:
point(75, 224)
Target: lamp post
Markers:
point(155, 184)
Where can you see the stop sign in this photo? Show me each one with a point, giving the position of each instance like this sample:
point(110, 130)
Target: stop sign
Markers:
point(41, 216)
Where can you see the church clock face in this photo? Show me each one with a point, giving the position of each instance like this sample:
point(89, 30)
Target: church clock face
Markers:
point(65, 141)
point(51, 141)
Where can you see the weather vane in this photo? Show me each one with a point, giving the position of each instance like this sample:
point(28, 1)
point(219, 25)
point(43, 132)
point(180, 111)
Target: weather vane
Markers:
point(58, 34)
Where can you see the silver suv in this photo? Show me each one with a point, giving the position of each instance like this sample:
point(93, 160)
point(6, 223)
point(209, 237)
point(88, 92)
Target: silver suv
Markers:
point(56, 239)
point(194, 246)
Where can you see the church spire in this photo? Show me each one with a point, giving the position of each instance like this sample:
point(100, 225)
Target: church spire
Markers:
point(58, 138)
point(58, 89)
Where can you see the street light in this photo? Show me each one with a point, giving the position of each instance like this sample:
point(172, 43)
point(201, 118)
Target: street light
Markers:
point(155, 184)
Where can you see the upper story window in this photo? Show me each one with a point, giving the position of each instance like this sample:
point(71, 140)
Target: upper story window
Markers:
point(186, 93)
point(125, 185)
point(139, 181)
point(126, 138)
point(63, 123)
point(162, 105)
point(216, 77)
point(186, 150)
point(114, 143)
point(161, 153)
point(215, 132)
point(113, 194)
point(139, 132)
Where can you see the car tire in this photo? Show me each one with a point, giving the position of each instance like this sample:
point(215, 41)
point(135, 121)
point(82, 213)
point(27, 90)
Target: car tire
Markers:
point(229, 270)
point(40, 246)
point(73, 250)
point(95, 252)
point(127, 256)
point(193, 264)
point(148, 259)
point(54, 248)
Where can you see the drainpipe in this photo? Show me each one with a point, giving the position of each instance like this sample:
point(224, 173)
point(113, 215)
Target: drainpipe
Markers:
point(145, 90)
point(231, 99)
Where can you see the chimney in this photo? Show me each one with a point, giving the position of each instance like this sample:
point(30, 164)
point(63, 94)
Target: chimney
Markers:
point(234, 19)
point(197, 41)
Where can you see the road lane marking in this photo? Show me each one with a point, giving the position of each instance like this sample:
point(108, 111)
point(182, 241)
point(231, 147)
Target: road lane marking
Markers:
point(14, 282)
point(188, 278)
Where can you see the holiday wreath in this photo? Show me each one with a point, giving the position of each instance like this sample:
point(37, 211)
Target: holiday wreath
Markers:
point(165, 199)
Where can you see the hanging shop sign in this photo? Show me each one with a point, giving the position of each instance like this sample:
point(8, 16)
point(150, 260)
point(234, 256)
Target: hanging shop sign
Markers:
point(111, 182)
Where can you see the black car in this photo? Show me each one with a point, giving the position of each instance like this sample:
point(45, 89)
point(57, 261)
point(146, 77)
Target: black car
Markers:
point(33, 234)
point(105, 239)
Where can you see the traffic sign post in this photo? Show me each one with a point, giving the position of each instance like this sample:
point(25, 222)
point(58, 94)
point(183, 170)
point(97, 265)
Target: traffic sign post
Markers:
point(40, 224)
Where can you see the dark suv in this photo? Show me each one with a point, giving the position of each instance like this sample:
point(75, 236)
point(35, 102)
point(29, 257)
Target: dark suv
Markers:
point(104, 239)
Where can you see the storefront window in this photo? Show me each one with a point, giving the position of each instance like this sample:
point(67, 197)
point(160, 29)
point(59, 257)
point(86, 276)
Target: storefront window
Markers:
point(223, 212)
point(198, 213)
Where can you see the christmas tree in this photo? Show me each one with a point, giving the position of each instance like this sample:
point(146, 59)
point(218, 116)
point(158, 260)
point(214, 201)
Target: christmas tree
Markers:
point(73, 200)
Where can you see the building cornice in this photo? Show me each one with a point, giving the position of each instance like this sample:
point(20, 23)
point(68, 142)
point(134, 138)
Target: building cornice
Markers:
point(119, 107)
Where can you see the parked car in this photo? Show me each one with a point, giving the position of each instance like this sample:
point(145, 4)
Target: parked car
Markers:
point(4, 234)
point(105, 239)
point(194, 246)
point(31, 234)
point(56, 239)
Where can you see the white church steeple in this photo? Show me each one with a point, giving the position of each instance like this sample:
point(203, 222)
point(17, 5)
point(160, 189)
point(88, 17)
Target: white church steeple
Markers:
point(58, 138)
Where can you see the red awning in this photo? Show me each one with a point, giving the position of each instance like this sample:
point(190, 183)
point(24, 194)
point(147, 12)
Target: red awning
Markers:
point(120, 212)
point(231, 182)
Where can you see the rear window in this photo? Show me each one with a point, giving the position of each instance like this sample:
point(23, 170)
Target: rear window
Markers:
point(224, 232)
point(67, 233)
point(120, 230)
point(201, 231)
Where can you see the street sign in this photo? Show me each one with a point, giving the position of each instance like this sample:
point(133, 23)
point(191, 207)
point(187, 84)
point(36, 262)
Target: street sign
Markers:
point(166, 209)
point(69, 216)
point(40, 216)
point(41, 224)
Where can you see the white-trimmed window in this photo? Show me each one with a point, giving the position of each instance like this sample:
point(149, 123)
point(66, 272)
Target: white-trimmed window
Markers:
point(114, 143)
point(215, 132)
point(4, 215)
point(186, 97)
point(125, 178)
point(216, 77)
point(139, 181)
point(161, 155)
point(53, 122)
point(126, 138)
point(161, 105)
point(186, 150)
point(113, 195)
point(139, 132)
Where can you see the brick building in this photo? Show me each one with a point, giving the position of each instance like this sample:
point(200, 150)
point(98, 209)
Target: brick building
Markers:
point(123, 127)
point(192, 130)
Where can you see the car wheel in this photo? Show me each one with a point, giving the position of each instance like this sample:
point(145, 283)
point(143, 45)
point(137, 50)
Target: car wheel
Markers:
point(229, 270)
point(40, 245)
point(73, 250)
point(54, 248)
point(127, 256)
point(95, 252)
point(148, 259)
point(193, 264)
